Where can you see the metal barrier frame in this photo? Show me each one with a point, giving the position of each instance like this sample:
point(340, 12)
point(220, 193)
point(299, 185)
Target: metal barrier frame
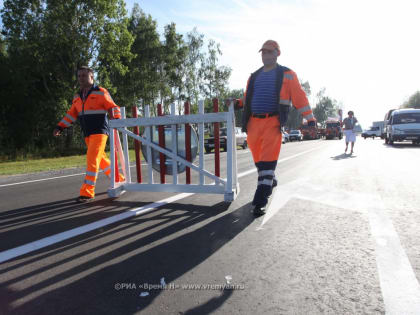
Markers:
point(229, 187)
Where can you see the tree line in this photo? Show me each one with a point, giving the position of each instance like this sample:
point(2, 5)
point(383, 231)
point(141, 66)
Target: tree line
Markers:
point(43, 42)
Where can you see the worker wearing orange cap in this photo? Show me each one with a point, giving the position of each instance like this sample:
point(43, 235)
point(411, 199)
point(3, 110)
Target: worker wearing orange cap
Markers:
point(270, 92)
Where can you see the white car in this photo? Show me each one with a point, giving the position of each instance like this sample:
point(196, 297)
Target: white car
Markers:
point(295, 135)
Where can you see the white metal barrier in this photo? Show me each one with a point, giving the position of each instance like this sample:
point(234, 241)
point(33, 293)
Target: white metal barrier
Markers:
point(228, 186)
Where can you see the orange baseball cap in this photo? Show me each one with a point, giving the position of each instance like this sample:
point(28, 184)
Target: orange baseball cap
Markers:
point(271, 45)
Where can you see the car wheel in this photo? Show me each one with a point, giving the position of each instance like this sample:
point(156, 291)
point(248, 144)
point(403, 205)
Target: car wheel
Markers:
point(208, 150)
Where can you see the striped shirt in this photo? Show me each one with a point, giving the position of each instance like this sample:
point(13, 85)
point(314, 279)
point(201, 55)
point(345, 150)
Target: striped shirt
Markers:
point(264, 98)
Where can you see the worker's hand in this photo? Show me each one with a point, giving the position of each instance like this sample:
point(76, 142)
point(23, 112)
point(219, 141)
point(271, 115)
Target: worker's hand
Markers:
point(56, 132)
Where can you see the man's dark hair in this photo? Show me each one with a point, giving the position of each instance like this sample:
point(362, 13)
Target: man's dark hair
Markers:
point(90, 70)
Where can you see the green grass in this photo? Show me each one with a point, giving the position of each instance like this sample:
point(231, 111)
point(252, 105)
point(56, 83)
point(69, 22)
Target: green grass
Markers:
point(39, 165)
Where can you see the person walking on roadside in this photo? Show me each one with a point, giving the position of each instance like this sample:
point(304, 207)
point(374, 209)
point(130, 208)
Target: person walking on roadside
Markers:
point(91, 105)
point(270, 92)
point(348, 126)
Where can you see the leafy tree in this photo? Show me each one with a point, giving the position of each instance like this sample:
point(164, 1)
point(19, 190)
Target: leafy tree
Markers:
point(140, 85)
point(192, 68)
point(325, 107)
point(47, 41)
point(215, 78)
point(413, 101)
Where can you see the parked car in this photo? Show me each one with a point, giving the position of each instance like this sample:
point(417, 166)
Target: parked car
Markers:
point(285, 137)
point(372, 132)
point(239, 135)
point(404, 124)
point(295, 135)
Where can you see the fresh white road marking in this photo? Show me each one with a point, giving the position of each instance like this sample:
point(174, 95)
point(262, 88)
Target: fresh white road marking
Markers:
point(399, 285)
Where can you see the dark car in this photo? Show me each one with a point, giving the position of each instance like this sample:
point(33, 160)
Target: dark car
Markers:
point(295, 135)
point(239, 135)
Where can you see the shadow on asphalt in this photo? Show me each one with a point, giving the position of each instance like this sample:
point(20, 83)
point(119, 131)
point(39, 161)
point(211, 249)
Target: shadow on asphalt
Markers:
point(343, 156)
point(25, 225)
point(86, 285)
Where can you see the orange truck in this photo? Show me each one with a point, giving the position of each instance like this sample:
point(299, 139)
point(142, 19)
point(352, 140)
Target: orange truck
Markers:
point(333, 129)
point(309, 132)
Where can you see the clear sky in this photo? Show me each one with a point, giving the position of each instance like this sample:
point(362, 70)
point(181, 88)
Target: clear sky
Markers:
point(366, 53)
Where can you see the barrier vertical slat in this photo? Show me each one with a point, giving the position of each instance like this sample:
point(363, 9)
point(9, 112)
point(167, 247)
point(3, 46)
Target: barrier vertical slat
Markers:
point(174, 147)
point(125, 150)
point(216, 140)
point(201, 141)
point(117, 171)
point(235, 165)
point(230, 149)
point(187, 144)
point(112, 156)
point(137, 146)
point(162, 157)
point(149, 149)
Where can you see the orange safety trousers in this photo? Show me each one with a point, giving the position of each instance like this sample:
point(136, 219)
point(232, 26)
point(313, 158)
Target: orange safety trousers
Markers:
point(264, 138)
point(95, 159)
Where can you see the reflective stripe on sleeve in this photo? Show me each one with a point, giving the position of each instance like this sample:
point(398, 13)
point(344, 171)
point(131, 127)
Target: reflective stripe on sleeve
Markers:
point(288, 76)
point(65, 122)
point(70, 117)
point(309, 117)
point(304, 109)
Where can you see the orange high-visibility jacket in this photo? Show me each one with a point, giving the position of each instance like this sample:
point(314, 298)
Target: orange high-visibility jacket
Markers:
point(290, 92)
point(92, 113)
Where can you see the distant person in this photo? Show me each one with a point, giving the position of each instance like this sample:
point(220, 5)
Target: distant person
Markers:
point(348, 126)
point(91, 105)
point(270, 92)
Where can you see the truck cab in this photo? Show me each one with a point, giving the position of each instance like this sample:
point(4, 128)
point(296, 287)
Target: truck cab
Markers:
point(333, 130)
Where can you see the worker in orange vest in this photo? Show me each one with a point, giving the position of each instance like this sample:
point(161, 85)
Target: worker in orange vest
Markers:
point(91, 105)
point(270, 92)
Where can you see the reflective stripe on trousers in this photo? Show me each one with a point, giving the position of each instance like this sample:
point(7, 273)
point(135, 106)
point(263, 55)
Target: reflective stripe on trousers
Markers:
point(95, 158)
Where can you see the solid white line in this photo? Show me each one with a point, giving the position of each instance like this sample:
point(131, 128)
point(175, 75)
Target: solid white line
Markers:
point(399, 285)
point(50, 240)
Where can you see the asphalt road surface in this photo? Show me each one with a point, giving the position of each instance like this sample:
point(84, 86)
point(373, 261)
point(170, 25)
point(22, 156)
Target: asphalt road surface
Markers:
point(341, 236)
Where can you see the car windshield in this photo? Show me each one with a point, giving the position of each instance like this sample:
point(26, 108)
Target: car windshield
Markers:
point(294, 132)
point(406, 118)
point(332, 125)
